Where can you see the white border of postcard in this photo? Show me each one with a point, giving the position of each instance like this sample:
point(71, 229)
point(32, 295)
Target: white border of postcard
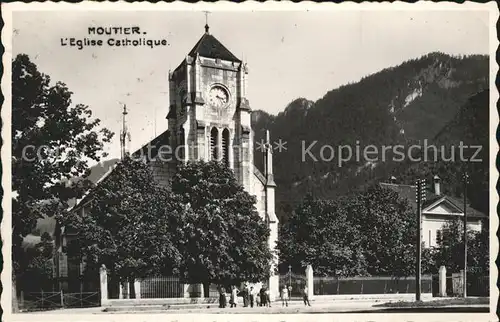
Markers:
point(7, 10)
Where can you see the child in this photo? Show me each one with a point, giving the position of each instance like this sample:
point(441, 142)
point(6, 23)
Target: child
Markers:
point(284, 296)
point(306, 296)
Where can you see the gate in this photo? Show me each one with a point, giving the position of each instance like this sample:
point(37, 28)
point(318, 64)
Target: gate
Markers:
point(33, 301)
point(296, 281)
point(82, 299)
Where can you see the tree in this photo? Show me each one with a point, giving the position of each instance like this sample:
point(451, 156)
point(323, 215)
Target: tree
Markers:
point(38, 265)
point(372, 232)
point(450, 251)
point(223, 240)
point(52, 141)
point(318, 233)
point(387, 226)
point(478, 250)
point(128, 224)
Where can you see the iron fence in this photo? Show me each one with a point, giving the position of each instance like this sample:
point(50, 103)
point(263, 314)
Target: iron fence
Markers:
point(369, 285)
point(36, 301)
point(477, 285)
point(161, 287)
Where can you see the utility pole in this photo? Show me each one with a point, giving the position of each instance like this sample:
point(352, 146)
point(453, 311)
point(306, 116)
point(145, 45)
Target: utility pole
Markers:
point(466, 181)
point(124, 133)
point(420, 196)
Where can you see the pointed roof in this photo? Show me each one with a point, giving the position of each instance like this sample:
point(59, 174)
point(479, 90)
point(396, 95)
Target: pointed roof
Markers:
point(208, 46)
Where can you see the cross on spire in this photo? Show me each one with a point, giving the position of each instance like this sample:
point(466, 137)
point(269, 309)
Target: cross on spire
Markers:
point(206, 21)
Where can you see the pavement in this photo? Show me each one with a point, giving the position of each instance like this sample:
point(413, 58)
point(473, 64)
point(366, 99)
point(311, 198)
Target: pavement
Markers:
point(295, 307)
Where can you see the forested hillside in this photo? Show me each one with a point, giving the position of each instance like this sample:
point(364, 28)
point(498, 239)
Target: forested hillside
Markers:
point(422, 99)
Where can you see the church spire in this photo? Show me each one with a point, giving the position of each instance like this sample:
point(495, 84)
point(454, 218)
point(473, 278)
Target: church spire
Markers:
point(124, 135)
point(269, 161)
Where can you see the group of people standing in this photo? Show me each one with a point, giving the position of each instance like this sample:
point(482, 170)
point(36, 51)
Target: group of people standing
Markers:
point(261, 298)
point(250, 296)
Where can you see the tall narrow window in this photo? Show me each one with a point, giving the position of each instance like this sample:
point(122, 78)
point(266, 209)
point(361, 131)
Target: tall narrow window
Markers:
point(169, 144)
point(225, 147)
point(182, 145)
point(214, 135)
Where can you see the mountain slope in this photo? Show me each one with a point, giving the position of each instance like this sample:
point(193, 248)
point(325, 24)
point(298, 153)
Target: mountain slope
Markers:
point(399, 105)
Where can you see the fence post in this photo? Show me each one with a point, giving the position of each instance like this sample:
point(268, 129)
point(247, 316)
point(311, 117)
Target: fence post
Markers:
point(310, 281)
point(103, 274)
point(201, 289)
point(137, 288)
point(442, 281)
point(185, 289)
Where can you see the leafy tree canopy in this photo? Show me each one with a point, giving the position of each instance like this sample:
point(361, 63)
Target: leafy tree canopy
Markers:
point(205, 229)
point(319, 234)
point(52, 141)
point(128, 223)
point(223, 237)
point(371, 233)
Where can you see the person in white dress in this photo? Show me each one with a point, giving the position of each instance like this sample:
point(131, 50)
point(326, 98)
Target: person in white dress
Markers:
point(234, 296)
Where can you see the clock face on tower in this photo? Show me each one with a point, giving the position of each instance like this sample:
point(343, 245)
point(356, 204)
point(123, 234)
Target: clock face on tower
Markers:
point(218, 96)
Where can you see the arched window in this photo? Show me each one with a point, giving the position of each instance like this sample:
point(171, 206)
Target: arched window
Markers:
point(225, 147)
point(214, 148)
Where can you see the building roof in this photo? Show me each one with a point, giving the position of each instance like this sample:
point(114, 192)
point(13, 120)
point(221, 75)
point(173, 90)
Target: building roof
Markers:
point(153, 145)
point(208, 46)
point(151, 148)
point(409, 193)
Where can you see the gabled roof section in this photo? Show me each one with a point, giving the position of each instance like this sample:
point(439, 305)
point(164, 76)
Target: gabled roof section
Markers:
point(409, 193)
point(208, 46)
point(151, 148)
point(154, 145)
point(404, 191)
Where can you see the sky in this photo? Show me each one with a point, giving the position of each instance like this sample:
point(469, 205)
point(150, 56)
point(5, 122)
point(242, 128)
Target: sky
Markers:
point(290, 54)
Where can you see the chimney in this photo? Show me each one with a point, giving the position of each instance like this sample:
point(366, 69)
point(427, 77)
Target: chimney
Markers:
point(437, 185)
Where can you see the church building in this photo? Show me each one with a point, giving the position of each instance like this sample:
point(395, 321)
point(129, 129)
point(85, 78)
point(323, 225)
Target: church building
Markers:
point(209, 119)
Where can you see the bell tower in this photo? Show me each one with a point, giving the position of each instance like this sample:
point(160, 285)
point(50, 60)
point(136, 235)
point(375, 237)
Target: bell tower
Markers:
point(209, 119)
point(209, 114)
